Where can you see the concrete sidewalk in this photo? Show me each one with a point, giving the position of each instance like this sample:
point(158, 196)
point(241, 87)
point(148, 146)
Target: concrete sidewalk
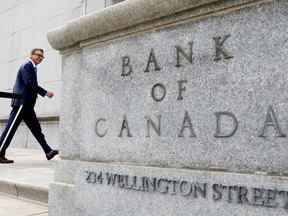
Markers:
point(11, 206)
point(30, 175)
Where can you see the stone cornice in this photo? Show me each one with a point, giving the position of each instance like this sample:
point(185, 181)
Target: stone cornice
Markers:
point(132, 16)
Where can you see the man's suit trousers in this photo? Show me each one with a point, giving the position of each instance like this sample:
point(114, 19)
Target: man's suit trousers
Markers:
point(18, 114)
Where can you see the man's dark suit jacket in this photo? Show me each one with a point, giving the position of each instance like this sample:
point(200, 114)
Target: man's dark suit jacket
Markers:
point(27, 86)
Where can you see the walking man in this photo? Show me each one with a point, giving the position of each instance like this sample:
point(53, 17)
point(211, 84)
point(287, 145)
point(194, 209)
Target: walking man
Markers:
point(23, 109)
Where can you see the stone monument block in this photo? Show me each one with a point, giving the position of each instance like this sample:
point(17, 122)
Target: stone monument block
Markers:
point(174, 108)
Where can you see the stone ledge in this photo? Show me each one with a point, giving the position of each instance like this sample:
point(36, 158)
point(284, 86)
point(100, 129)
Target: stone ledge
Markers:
point(30, 192)
point(174, 189)
point(132, 14)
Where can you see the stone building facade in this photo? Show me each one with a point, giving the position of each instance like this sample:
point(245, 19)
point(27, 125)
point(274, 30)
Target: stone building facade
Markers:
point(23, 26)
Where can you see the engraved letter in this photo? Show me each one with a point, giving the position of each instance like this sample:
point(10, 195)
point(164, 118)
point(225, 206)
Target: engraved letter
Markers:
point(89, 176)
point(160, 86)
point(165, 188)
point(152, 59)
point(200, 189)
point(149, 184)
point(187, 124)
point(125, 126)
point(181, 89)
point(188, 57)
point(96, 128)
point(185, 188)
point(217, 189)
point(258, 196)
point(156, 129)
point(219, 133)
point(121, 181)
point(242, 195)
point(271, 121)
point(270, 199)
point(111, 178)
point(220, 51)
point(126, 67)
point(284, 195)
point(99, 178)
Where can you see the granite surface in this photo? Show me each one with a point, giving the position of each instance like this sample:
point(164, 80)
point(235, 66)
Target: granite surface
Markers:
point(70, 103)
point(130, 17)
point(251, 85)
point(176, 192)
point(168, 107)
point(61, 200)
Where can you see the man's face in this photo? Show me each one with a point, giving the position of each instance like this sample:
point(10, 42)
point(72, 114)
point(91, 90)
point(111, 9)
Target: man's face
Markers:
point(37, 57)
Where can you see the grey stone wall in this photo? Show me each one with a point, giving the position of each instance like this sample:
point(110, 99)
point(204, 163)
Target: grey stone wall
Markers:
point(180, 110)
point(23, 26)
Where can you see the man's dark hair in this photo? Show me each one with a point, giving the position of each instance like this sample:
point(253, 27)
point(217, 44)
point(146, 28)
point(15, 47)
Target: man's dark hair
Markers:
point(36, 49)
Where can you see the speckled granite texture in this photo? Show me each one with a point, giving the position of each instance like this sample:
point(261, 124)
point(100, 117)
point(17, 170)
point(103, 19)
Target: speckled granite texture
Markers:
point(204, 94)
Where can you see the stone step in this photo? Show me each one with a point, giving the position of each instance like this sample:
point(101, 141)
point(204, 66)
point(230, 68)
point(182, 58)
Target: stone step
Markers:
point(24, 191)
point(29, 177)
point(13, 206)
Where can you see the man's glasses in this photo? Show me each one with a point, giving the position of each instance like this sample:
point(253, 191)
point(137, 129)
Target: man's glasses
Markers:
point(39, 55)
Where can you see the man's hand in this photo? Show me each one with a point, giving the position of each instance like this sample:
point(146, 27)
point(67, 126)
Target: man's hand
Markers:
point(50, 94)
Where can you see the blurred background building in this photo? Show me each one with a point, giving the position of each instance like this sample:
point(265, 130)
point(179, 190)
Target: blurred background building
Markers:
point(23, 26)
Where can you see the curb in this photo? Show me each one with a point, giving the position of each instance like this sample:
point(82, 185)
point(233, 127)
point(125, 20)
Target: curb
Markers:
point(35, 193)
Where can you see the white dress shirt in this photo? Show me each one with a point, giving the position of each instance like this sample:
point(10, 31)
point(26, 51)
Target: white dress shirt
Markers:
point(34, 65)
